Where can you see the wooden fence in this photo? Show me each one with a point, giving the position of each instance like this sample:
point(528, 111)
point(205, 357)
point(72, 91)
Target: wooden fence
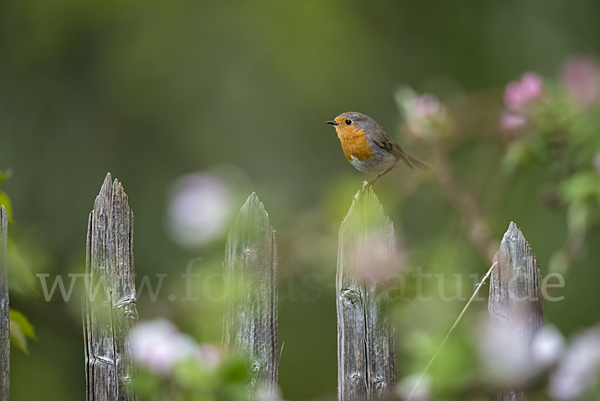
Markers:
point(250, 272)
point(109, 297)
point(4, 318)
point(366, 338)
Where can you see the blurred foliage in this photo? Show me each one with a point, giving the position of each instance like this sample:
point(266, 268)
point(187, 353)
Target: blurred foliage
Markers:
point(561, 131)
point(173, 367)
point(21, 278)
point(189, 382)
point(20, 330)
point(153, 91)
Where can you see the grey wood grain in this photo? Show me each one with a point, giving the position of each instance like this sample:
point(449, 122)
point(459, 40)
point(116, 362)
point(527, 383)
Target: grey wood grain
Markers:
point(4, 310)
point(366, 338)
point(515, 287)
point(109, 298)
point(250, 274)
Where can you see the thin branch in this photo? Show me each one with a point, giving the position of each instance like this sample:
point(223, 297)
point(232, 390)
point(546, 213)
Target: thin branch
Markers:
point(478, 230)
point(451, 329)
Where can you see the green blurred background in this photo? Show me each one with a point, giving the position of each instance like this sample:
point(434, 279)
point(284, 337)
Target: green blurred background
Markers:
point(153, 90)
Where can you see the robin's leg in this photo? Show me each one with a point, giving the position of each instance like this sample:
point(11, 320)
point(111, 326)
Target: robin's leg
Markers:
point(378, 176)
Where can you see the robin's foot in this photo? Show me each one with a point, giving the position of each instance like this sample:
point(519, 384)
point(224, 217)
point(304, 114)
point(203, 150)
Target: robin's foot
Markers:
point(378, 176)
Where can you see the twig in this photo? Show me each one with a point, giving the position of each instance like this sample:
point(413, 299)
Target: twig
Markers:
point(465, 202)
point(452, 329)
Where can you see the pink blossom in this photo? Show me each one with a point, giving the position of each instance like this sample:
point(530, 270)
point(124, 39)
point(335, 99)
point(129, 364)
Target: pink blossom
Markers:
point(581, 77)
point(513, 123)
point(414, 389)
point(519, 94)
point(199, 209)
point(425, 116)
point(266, 392)
point(158, 345)
point(378, 260)
point(504, 352)
point(579, 370)
point(596, 162)
point(546, 347)
point(426, 106)
point(208, 355)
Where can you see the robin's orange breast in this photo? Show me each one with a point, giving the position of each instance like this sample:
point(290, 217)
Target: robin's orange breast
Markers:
point(354, 144)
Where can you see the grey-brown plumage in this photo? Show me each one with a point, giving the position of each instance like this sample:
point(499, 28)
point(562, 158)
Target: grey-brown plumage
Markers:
point(368, 147)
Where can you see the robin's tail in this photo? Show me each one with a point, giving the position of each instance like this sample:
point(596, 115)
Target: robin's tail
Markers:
point(413, 162)
point(418, 163)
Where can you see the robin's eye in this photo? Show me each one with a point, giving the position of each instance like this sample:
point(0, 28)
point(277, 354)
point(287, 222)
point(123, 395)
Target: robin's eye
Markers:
point(348, 122)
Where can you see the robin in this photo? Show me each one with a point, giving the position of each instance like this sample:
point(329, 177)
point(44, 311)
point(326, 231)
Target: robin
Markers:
point(368, 147)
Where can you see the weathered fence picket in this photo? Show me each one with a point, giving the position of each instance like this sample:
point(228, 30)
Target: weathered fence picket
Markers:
point(109, 298)
point(366, 338)
point(250, 274)
point(366, 342)
point(515, 290)
point(4, 310)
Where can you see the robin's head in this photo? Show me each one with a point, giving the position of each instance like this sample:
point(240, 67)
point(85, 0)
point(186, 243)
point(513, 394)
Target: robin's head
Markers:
point(353, 121)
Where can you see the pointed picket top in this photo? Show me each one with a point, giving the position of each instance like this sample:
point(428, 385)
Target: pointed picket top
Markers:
point(253, 211)
point(109, 298)
point(366, 338)
point(106, 189)
point(110, 191)
point(516, 304)
point(250, 274)
point(367, 211)
point(517, 276)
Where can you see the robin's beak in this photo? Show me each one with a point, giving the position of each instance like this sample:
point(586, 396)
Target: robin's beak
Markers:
point(333, 122)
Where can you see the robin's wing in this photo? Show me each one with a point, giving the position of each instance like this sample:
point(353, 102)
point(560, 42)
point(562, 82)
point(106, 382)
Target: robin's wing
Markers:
point(383, 140)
